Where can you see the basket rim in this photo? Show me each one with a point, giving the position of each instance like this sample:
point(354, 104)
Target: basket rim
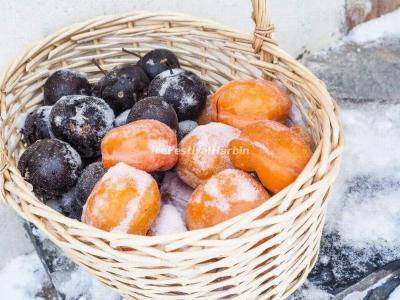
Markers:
point(23, 58)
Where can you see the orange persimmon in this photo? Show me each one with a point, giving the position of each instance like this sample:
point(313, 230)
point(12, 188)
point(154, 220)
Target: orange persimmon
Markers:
point(148, 145)
point(224, 196)
point(125, 200)
point(242, 102)
point(275, 152)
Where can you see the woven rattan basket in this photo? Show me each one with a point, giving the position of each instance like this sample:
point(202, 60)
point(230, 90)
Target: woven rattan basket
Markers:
point(246, 257)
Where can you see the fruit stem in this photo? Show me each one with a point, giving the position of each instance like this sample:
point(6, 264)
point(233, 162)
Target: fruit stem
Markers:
point(98, 66)
point(131, 52)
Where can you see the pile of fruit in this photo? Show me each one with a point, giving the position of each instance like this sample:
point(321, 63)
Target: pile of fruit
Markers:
point(174, 158)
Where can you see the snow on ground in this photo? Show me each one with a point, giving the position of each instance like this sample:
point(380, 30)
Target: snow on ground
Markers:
point(83, 286)
point(310, 292)
point(363, 219)
point(364, 207)
point(395, 295)
point(387, 26)
point(24, 278)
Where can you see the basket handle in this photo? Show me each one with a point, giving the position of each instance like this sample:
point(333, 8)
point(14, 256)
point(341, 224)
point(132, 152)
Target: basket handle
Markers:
point(264, 28)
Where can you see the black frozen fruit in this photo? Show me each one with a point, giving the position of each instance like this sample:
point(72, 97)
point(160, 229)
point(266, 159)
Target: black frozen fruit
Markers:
point(37, 125)
point(64, 83)
point(183, 89)
point(88, 179)
point(69, 205)
point(123, 86)
point(51, 166)
point(154, 108)
point(157, 61)
point(185, 127)
point(82, 121)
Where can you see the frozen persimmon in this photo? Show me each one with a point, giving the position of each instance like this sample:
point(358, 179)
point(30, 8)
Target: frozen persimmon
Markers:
point(203, 152)
point(224, 196)
point(241, 102)
point(125, 200)
point(148, 145)
point(273, 151)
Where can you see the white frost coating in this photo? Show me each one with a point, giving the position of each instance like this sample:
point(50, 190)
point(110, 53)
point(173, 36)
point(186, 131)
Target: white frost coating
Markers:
point(80, 118)
point(73, 156)
point(45, 110)
point(150, 62)
point(121, 119)
point(132, 209)
point(241, 189)
point(160, 147)
point(167, 73)
point(174, 81)
point(169, 221)
point(104, 113)
point(68, 72)
point(142, 180)
point(170, 81)
point(58, 120)
point(212, 140)
point(165, 104)
point(98, 207)
point(387, 26)
point(188, 100)
point(258, 145)
point(187, 125)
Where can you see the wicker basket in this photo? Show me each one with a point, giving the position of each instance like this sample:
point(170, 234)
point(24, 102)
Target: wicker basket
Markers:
point(246, 257)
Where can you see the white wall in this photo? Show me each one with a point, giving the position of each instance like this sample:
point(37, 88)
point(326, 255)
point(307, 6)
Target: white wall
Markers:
point(300, 25)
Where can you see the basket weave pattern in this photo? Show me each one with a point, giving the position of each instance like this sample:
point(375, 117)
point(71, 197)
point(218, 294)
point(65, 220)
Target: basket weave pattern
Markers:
point(246, 257)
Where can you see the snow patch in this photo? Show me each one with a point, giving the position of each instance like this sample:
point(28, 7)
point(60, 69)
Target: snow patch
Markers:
point(22, 278)
point(395, 295)
point(81, 285)
point(310, 292)
point(169, 221)
point(386, 26)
